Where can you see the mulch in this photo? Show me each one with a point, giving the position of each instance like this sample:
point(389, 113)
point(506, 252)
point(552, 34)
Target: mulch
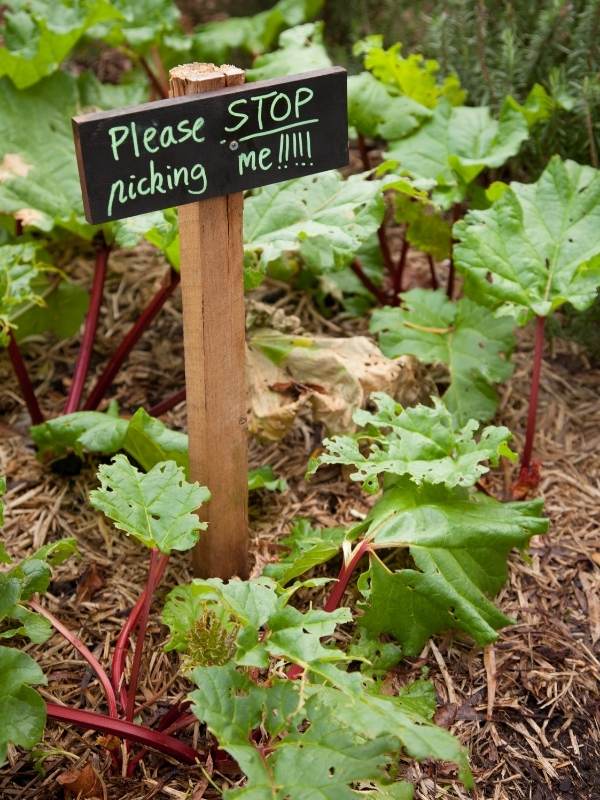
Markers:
point(526, 707)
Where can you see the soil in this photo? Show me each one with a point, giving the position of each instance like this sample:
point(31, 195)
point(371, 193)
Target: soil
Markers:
point(526, 707)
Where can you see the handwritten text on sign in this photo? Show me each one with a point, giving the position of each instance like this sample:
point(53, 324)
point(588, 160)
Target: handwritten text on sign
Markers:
point(178, 151)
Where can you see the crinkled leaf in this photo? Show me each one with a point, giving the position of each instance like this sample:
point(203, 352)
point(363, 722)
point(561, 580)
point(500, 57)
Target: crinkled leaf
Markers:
point(424, 443)
point(537, 247)
point(472, 342)
point(22, 710)
point(38, 34)
point(156, 508)
point(307, 547)
point(300, 49)
point(412, 76)
point(321, 220)
point(456, 144)
point(459, 544)
point(149, 441)
point(144, 24)
point(322, 739)
point(426, 227)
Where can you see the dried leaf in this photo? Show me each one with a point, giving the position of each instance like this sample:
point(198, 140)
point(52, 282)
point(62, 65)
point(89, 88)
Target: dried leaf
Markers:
point(81, 783)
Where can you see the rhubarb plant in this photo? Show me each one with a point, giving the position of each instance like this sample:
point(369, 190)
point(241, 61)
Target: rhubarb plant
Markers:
point(449, 542)
point(22, 710)
point(473, 344)
point(236, 639)
point(533, 251)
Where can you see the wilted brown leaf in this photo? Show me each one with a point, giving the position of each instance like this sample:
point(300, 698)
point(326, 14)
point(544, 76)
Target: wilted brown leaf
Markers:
point(81, 782)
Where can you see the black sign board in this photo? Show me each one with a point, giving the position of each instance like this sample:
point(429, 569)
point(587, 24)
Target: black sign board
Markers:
point(178, 151)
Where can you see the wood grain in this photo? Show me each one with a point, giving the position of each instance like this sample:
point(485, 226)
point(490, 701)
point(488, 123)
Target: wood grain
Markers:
point(214, 338)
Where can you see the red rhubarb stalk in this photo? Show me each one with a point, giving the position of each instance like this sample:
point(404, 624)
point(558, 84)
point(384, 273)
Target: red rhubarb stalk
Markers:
point(24, 380)
point(151, 582)
point(364, 152)
point(432, 272)
point(398, 272)
point(182, 721)
point(362, 276)
point(90, 720)
point(450, 284)
point(168, 403)
point(534, 394)
point(122, 645)
point(134, 334)
point(335, 597)
point(111, 700)
point(89, 330)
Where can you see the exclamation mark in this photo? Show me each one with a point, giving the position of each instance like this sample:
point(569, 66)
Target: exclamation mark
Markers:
point(281, 140)
point(294, 146)
point(300, 149)
point(308, 147)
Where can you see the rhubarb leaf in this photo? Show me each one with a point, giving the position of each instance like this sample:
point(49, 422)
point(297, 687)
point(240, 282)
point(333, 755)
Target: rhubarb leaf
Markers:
point(24, 579)
point(157, 508)
point(374, 111)
point(38, 34)
point(307, 547)
point(265, 478)
point(472, 342)
point(219, 41)
point(22, 710)
point(300, 49)
point(459, 543)
point(424, 443)
point(321, 739)
point(80, 432)
point(266, 627)
point(317, 221)
point(537, 247)
point(456, 144)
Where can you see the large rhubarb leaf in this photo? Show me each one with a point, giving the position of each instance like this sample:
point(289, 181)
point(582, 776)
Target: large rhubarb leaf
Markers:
point(300, 49)
point(20, 269)
point(320, 739)
point(423, 443)
point(466, 337)
point(156, 508)
point(375, 111)
point(537, 247)
point(144, 25)
point(456, 144)
point(317, 221)
point(22, 710)
point(459, 544)
point(219, 41)
point(38, 34)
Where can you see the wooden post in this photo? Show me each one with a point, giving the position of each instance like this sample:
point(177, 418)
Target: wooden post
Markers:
point(214, 338)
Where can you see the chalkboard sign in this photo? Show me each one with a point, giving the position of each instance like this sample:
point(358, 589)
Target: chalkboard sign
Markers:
point(178, 151)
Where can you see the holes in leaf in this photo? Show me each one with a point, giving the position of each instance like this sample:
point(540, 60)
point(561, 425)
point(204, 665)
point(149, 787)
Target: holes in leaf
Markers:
point(331, 771)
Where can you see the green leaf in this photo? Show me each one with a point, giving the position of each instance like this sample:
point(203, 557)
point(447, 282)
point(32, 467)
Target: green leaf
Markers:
point(20, 269)
point(413, 76)
point(319, 220)
point(459, 544)
point(307, 548)
point(219, 41)
point(300, 49)
point(144, 24)
point(472, 342)
point(265, 478)
point(423, 443)
point(64, 308)
point(456, 144)
point(149, 441)
point(38, 34)
point(156, 508)
point(374, 111)
point(537, 247)
point(81, 431)
point(22, 710)
point(321, 739)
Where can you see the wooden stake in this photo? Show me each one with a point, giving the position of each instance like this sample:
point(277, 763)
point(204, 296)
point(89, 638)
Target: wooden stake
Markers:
point(215, 365)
